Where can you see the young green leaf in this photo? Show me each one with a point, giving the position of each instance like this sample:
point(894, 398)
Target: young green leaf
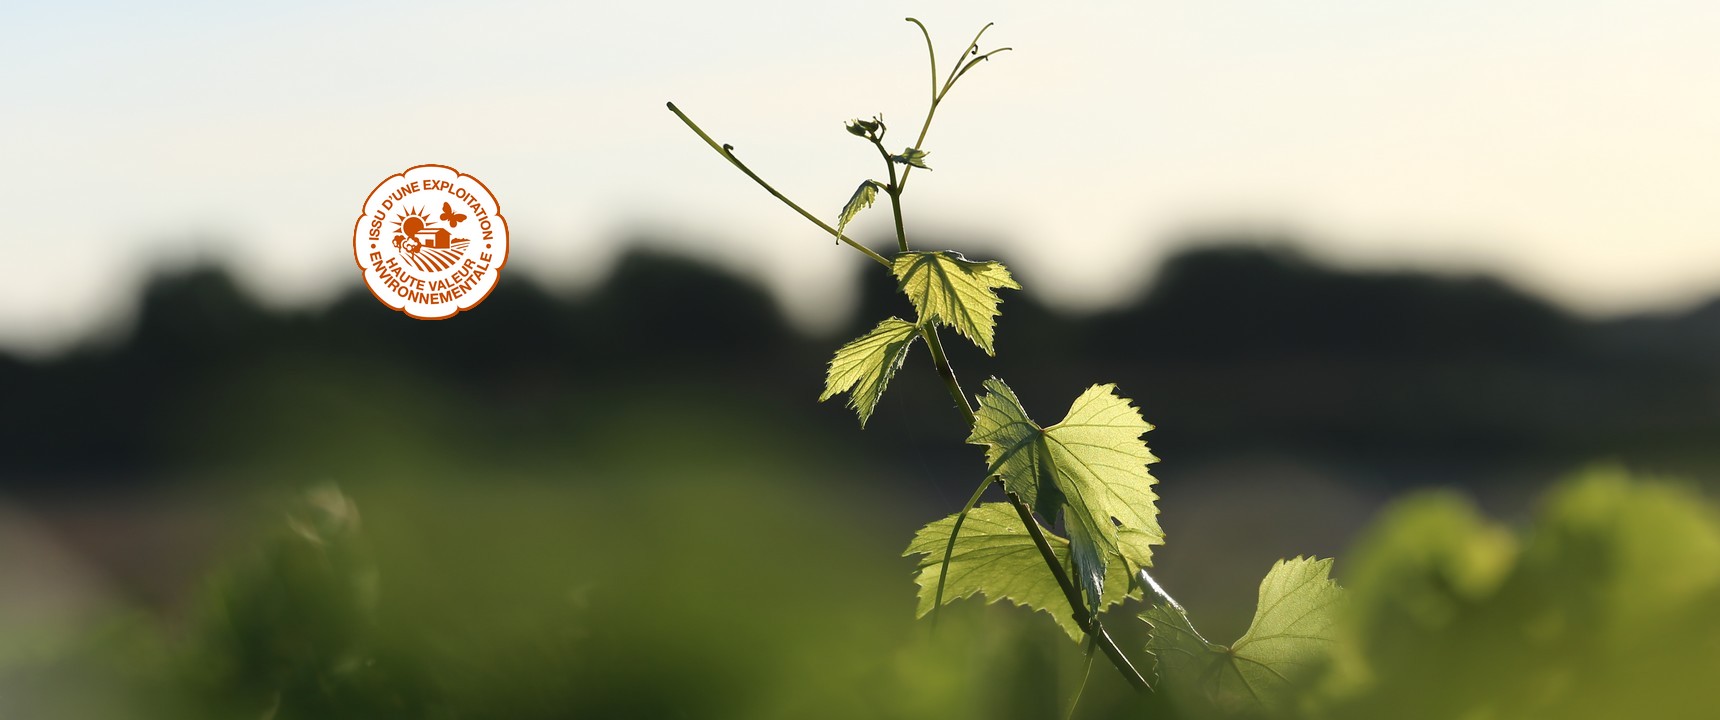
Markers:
point(863, 367)
point(1293, 630)
point(1092, 466)
point(863, 128)
point(955, 291)
point(862, 199)
point(912, 156)
point(995, 556)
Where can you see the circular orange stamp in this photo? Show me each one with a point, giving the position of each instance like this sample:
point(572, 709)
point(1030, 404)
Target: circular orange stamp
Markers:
point(431, 242)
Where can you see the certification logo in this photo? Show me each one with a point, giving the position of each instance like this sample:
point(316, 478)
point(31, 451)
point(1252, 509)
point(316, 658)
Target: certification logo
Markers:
point(431, 242)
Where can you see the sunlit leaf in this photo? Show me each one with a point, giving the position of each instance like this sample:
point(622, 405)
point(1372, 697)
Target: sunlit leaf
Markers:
point(1092, 466)
point(912, 156)
point(952, 290)
point(1293, 631)
point(863, 367)
point(863, 198)
point(995, 557)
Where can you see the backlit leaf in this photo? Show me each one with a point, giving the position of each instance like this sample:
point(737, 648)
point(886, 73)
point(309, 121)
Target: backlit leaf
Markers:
point(863, 367)
point(1293, 631)
point(1092, 466)
point(952, 290)
point(863, 198)
point(994, 556)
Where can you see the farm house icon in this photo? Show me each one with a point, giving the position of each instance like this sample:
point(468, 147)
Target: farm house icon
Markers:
point(425, 245)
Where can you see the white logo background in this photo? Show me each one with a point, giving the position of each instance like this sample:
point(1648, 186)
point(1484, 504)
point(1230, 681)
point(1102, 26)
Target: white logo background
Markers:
point(431, 242)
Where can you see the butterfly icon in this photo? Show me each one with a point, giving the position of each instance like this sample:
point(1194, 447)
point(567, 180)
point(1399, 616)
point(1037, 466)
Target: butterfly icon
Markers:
point(452, 218)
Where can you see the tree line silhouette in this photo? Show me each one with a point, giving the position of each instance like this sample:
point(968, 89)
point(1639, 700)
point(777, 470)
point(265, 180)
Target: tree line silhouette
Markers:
point(1235, 350)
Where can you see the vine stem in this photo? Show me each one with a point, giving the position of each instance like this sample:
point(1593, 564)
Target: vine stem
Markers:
point(1078, 609)
point(960, 69)
point(895, 192)
point(728, 154)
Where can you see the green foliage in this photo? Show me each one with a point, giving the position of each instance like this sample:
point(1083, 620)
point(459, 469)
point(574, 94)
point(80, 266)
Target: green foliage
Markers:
point(863, 128)
point(1091, 467)
point(291, 632)
point(1604, 608)
point(864, 366)
point(1291, 635)
point(995, 556)
point(952, 290)
point(1425, 560)
point(862, 198)
point(912, 156)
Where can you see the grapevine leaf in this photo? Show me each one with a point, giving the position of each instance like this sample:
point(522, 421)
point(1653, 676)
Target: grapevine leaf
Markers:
point(863, 367)
point(912, 156)
point(862, 128)
point(955, 291)
point(862, 199)
point(995, 556)
point(1293, 630)
point(1092, 466)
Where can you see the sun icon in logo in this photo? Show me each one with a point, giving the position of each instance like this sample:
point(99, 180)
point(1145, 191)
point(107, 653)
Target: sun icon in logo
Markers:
point(406, 228)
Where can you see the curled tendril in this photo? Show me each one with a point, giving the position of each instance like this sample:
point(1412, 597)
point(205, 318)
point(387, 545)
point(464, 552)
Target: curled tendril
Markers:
point(976, 56)
point(961, 68)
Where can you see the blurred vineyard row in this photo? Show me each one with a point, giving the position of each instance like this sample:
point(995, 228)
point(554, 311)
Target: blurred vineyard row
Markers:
point(629, 504)
point(1600, 606)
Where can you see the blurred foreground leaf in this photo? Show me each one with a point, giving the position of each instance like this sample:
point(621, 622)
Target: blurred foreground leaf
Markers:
point(291, 630)
point(1608, 610)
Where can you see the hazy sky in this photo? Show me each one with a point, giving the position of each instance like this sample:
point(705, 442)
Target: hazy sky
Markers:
point(1573, 146)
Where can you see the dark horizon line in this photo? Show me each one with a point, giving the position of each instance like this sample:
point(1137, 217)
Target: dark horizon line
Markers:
point(1287, 249)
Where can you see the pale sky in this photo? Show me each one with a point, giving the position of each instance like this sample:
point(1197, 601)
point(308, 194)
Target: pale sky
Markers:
point(1573, 147)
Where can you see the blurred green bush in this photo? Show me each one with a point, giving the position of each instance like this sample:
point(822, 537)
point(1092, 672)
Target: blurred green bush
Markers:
point(1605, 607)
point(453, 602)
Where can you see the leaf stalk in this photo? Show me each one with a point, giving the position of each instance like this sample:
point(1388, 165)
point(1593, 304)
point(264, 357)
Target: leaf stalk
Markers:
point(727, 151)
